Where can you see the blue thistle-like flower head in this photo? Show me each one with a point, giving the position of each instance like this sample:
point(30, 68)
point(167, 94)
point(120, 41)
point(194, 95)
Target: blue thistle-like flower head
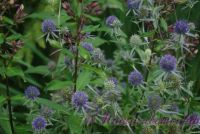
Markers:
point(154, 102)
point(114, 79)
point(181, 27)
point(112, 21)
point(46, 111)
point(168, 63)
point(174, 108)
point(135, 78)
point(98, 55)
point(133, 4)
point(32, 92)
point(48, 26)
point(39, 123)
point(88, 46)
point(111, 83)
point(193, 118)
point(79, 100)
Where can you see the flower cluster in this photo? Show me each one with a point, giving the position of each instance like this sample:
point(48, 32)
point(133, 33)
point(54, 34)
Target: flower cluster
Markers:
point(154, 102)
point(79, 100)
point(88, 46)
point(39, 123)
point(133, 4)
point(135, 78)
point(168, 63)
point(113, 21)
point(181, 27)
point(48, 26)
point(32, 92)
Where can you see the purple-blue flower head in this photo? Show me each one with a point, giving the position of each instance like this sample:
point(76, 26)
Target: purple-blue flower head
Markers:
point(168, 63)
point(193, 119)
point(174, 108)
point(154, 102)
point(48, 26)
point(39, 123)
point(79, 100)
point(133, 4)
point(32, 92)
point(88, 46)
point(135, 78)
point(114, 80)
point(181, 27)
point(112, 21)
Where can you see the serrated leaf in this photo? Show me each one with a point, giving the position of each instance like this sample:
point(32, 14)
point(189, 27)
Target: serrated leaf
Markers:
point(163, 24)
point(14, 71)
point(83, 79)
point(37, 70)
point(84, 53)
point(58, 85)
point(74, 122)
point(1, 38)
point(51, 104)
point(100, 72)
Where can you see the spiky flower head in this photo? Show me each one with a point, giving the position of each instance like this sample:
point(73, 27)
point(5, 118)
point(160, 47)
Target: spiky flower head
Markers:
point(32, 92)
point(61, 96)
point(168, 63)
point(48, 26)
point(113, 21)
point(174, 129)
point(135, 78)
point(147, 130)
point(46, 111)
point(133, 4)
point(39, 123)
point(154, 102)
point(79, 100)
point(67, 61)
point(173, 81)
point(88, 46)
point(114, 79)
point(174, 108)
point(51, 65)
point(181, 27)
point(193, 119)
point(135, 40)
point(112, 96)
point(97, 55)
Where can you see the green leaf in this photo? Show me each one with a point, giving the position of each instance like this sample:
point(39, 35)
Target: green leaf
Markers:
point(38, 70)
point(163, 24)
point(148, 34)
point(83, 79)
point(51, 104)
point(74, 122)
point(58, 85)
point(84, 53)
point(114, 4)
point(91, 28)
point(14, 37)
point(8, 20)
point(100, 72)
point(4, 123)
point(97, 42)
point(2, 100)
point(92, 17)
point(14, 71)
point(1, 38)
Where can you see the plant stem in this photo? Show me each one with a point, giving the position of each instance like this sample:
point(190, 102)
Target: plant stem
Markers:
point(9, 102)
point(76, 68)
point(9, 106)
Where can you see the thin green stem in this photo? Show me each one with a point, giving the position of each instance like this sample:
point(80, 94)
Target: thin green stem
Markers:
point(76, 67)
point(9, 101)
